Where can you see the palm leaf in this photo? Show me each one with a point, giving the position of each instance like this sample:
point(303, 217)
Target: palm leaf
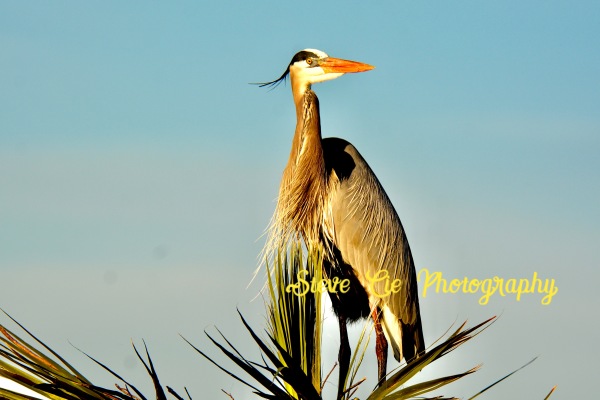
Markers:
point(549, 394)
point(295, 321)
point(501, 379)
point(286, 370)
point(57, 379)
point(290, 366)
point(508, 375)
point(400, 378)
point(30, 367)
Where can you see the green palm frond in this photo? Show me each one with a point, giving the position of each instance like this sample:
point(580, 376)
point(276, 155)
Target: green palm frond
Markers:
point(290, 367)
point(501, 379)
point(30, 367)
point(53, 377)
point(358, 355)
point(550, 393)
point(393, 388)
point(281, 369)
point(295, 320)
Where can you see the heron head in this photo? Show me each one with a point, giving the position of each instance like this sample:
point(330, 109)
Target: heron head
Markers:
point(312, 66)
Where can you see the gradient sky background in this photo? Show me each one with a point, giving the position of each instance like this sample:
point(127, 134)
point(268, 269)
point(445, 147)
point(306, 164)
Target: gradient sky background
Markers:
point(138, 169)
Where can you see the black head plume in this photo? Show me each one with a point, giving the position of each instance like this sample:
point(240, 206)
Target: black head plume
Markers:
point(276, 82)
point(300, 56)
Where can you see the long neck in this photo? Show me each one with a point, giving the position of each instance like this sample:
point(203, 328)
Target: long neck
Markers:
point(302, 192)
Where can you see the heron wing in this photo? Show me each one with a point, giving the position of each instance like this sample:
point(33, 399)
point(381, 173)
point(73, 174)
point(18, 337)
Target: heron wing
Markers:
point(370, 237)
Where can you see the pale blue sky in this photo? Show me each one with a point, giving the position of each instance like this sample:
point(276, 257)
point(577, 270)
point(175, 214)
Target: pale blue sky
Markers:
point(138, 169)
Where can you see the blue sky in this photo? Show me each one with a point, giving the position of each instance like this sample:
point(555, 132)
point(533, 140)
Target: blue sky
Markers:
point(138, 169)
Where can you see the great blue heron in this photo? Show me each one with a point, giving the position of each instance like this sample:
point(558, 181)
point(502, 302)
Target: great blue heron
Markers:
point(330, 197)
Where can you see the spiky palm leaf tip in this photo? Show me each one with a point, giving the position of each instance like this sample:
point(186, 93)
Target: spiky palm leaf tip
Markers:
point(46, 373)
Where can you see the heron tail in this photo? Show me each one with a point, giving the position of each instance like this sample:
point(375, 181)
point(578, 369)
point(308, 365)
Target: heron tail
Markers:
point(406, 340)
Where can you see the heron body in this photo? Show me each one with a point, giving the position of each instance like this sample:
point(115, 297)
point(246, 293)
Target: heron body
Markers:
point(330, 197)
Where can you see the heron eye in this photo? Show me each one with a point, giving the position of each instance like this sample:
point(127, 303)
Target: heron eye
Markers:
point(309, 61)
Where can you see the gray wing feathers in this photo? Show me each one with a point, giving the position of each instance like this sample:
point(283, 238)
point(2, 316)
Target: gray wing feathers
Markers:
point(370, 237)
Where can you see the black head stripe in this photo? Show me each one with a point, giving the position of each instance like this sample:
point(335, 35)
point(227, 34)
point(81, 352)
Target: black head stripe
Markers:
point(303, 56)
point(299, 56)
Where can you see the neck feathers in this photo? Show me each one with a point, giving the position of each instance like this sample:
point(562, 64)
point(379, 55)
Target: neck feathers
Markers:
point(302, 193)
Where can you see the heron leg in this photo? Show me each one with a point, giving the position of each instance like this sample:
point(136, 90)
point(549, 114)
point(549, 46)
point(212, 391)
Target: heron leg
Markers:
point(343, 355)
point(381, 346)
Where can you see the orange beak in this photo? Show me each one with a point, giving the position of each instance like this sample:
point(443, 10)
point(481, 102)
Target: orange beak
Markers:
point(337, 65)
